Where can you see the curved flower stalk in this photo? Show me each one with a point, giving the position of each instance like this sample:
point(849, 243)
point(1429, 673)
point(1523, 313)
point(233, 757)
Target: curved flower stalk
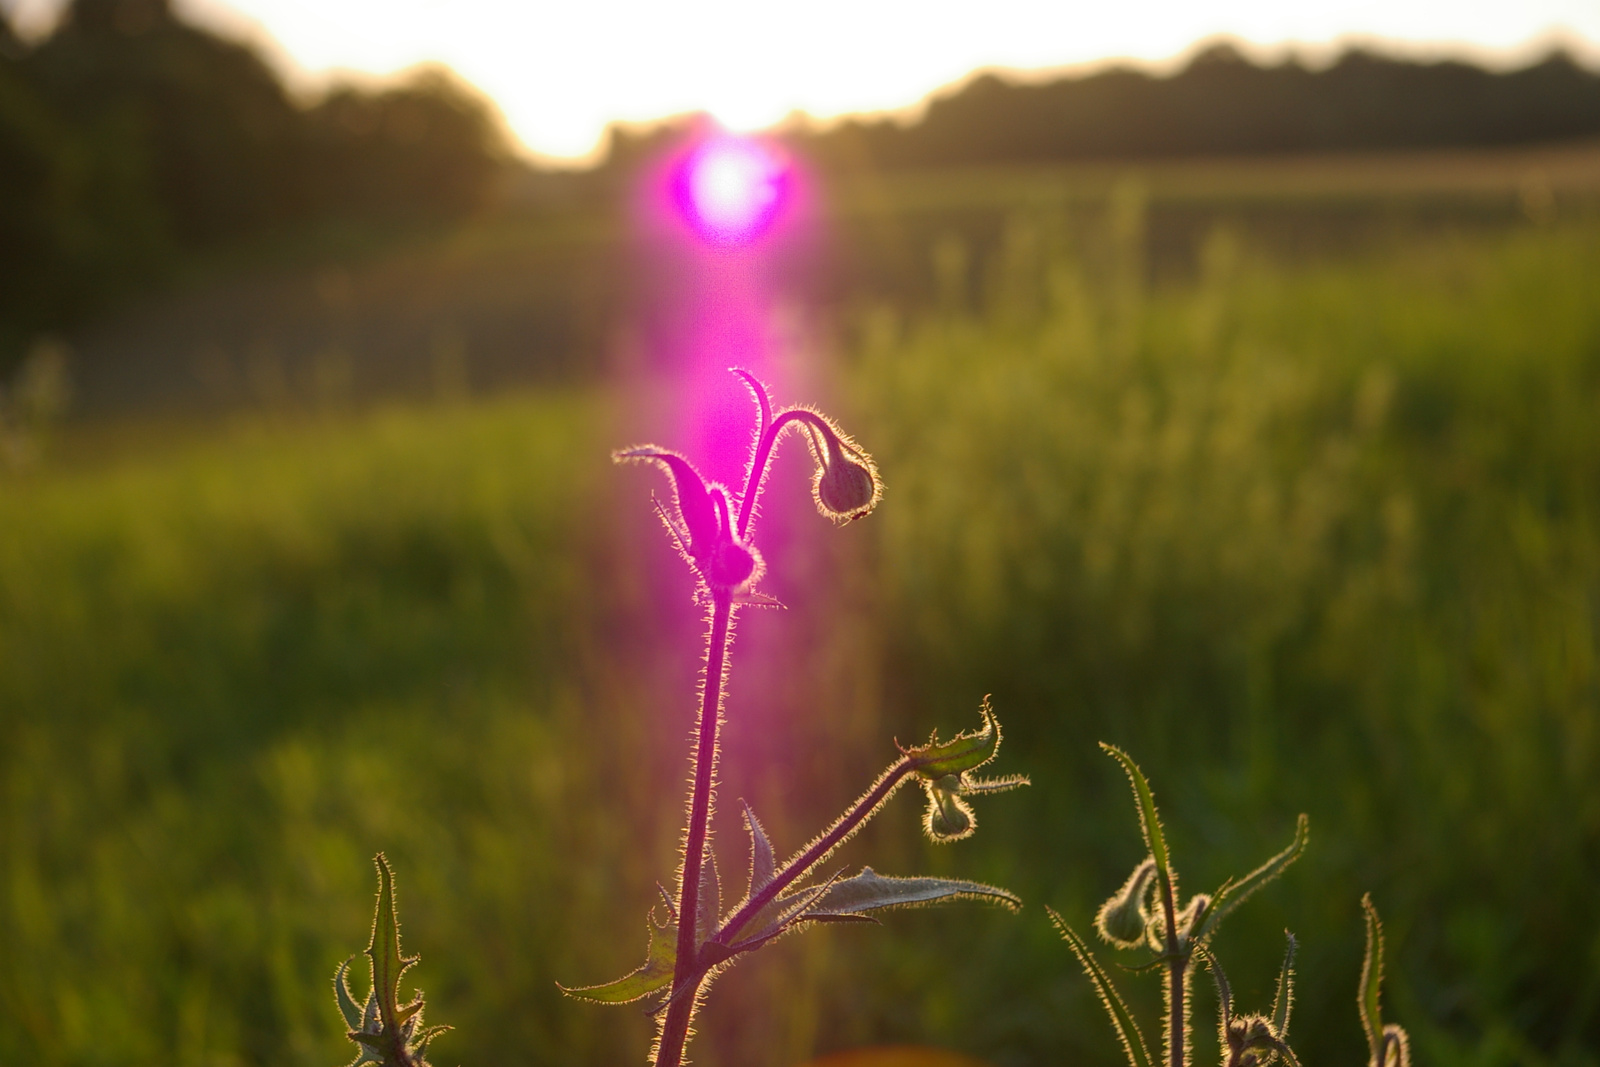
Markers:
point(691, 935)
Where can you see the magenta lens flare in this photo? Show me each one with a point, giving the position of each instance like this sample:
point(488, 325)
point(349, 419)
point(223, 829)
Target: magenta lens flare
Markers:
point(731, 189)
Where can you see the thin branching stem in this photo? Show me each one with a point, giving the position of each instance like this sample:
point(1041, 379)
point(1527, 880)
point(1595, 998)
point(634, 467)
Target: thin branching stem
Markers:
point(842, 828)
point(763, 456)
point(686, 969)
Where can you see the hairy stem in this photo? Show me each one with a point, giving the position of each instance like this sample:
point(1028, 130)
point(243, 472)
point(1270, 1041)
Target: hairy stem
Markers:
point(763, 456)
point(675, 1027)
point(1177, 968)
point(845, 825)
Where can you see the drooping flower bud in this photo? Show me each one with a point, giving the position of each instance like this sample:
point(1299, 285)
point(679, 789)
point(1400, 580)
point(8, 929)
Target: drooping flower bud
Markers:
point(846, 484)
point(948, 818)
point(1123, 918)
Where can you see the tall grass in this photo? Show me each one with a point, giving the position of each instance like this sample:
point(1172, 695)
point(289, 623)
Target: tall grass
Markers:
point(230, 674)
point(1315, 540)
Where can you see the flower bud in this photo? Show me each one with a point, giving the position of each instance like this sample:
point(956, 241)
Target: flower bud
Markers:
point(1123, 918)
point(846, 486)
point(948, 818)
point(732, 565)
point(1192, 914)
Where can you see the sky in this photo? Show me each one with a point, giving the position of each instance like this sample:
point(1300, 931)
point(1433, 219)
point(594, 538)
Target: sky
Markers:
point(561, 70)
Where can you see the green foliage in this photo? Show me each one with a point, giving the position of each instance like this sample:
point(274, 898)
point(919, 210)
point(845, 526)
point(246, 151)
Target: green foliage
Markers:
point(1306, 538)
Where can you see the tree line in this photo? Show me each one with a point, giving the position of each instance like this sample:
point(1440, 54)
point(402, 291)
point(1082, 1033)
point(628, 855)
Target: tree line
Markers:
point(130, 140)
point(1223, 104)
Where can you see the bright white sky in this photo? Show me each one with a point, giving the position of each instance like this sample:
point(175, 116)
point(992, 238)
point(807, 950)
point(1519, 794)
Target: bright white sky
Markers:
point(560, 70)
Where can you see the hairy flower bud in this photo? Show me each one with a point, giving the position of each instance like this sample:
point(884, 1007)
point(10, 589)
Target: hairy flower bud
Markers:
point(1122, 919)
point(846, 485)
point(948, 818)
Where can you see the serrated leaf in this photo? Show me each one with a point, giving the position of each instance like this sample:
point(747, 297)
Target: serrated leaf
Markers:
point(654, 977)
point(341, 994)
point(1232, 893)
point(1127, 1027)
point(869, 891)
point(962, 753)
point(1372, 984)
point(763, 865)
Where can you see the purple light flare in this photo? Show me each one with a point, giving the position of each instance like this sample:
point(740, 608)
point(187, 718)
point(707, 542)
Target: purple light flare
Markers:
point(731, 189)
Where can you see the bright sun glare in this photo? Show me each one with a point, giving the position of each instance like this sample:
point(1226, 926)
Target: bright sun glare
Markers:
point(734, 188)
point(562, 72)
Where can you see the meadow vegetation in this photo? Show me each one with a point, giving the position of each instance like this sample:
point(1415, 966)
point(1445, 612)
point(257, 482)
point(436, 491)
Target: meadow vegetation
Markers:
point(1315, 539)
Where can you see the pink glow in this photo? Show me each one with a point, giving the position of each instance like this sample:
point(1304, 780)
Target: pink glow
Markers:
point(731, 189)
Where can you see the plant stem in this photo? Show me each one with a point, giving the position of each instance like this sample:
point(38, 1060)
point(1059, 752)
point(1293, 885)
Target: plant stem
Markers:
point(675, 1027)
point(842, 828)
point(1177, 1003)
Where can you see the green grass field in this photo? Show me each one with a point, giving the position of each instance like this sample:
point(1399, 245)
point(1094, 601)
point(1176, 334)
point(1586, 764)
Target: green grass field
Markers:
point(1316, 539)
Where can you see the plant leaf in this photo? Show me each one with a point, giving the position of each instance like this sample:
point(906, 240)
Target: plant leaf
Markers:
point(1127, 1027)
point(695, 506)
point(1149, 818)
point(654, 977)
point(384, 949)
point(1283, 1000)
point(869, 891)
point(1232, 893)
point(762, 864)
point(708, 904)
point(963, 752)
point(780, 914)
point(341, 994)
point(1367, 999)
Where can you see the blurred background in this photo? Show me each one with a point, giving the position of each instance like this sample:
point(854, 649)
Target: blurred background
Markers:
point(1238, 402)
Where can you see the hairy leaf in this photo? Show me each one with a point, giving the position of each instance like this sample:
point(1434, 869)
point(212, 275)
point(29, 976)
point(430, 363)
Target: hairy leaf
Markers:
point(654, 977)
point(695, 506)
point(762, 863)
point(384, 949)
point(963, 752)
point(1367, 1000)
point(341, 993)
point(1283, 1000)
point(1127, 1027)
point(1232, 893)
point(709, 900)
point(1149, 818)
point(869, 891)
